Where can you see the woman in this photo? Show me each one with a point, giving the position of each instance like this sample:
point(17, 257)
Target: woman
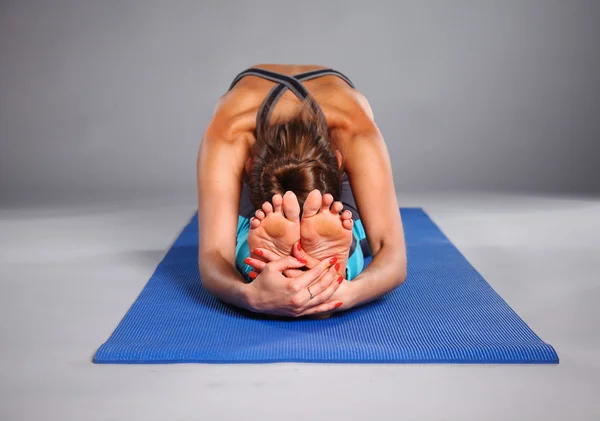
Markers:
point(297, 138)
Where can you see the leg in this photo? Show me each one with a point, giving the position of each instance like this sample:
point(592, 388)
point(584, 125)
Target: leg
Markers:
point(360, 246)
point(356, 260)
point(241, 247)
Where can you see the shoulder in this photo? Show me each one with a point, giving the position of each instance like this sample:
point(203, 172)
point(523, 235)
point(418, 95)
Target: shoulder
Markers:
point(233, 116)
point(354, 114)
point(359, 137)
point(359, 104)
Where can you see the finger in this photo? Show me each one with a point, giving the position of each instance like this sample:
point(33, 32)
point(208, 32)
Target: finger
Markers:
point(256, 264)
point(328, 292)
point(266, 255)
point(284, 263)
point(299, 253)
point(330, 277)
point(257, 254)
point(292, 273)
point(329, 306)
point(313, 274)
point(252, 275)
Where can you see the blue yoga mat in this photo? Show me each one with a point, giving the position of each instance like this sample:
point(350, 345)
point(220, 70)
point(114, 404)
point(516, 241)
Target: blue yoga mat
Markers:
point(445, 312)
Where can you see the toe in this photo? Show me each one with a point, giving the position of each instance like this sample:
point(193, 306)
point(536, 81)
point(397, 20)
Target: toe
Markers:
point(277, 203)
point(291, 208)
point(346, 215)
point(337, 207)
point(347, 223)
point(327, 201)
point(259, 214)
point(254, 223)
point(312, 204)
point(267, 208)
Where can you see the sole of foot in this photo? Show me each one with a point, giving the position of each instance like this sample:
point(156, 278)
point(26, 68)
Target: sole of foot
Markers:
point(324, 232)
point(276, 226)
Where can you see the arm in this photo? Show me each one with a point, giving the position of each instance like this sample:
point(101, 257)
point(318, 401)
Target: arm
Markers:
point(219, 174)
point(370, 173)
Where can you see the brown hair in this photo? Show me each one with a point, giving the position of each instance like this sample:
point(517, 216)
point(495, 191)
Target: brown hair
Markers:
point(294, 155)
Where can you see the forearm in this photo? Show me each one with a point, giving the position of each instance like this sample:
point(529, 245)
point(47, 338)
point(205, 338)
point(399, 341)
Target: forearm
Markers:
point(386, 272)
point(221, 279)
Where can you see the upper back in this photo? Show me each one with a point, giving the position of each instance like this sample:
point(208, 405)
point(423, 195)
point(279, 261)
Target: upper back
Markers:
point(346, 111)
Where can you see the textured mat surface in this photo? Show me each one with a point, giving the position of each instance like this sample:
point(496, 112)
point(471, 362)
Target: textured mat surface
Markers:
point(445, 312)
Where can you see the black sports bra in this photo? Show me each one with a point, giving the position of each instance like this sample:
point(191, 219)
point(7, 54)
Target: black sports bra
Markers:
point(284, 82)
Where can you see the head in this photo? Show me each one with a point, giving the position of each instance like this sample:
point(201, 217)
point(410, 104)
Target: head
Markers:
point(294, 155)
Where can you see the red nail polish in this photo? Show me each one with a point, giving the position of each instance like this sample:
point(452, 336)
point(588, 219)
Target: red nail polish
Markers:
point(337, 267)
point(252, 275)
point(340, 280)
point(299, 247)
point(338, 304)
point(248, 261)
point(301, 260)
point(258, 252)
point(332, 260)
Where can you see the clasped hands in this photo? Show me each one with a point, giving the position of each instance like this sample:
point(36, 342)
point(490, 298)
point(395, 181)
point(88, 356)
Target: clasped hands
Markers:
point(296, 285)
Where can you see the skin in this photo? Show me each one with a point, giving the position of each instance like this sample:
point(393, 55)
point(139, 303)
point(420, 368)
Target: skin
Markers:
point(323, 231)
point(222, 160)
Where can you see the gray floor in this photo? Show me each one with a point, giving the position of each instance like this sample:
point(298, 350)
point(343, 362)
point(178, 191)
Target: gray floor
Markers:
point(69, 273)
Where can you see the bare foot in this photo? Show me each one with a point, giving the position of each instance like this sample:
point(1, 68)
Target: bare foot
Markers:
point(277, 227)
point(324, 233)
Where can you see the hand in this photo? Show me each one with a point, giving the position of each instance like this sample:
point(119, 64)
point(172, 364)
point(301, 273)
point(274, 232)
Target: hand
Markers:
point(342, 294)
point(259, 261)
point(273, 293)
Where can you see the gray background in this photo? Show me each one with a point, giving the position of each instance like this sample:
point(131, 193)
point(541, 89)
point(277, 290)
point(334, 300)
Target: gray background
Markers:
point(110, 98)
point(102, 105)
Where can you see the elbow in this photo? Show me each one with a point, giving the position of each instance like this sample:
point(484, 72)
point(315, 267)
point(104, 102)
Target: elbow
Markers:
point(394, 252)
point(205, 278)
point(206, 284)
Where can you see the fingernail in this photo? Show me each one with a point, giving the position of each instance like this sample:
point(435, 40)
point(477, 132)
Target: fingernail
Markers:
point(340, 280)
point(248, 261)
point(258, 252)
point(332, 260)
point(338, 304)
point(337, 267)
point(299, 247)
point(252, 275)
point(301, 260)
